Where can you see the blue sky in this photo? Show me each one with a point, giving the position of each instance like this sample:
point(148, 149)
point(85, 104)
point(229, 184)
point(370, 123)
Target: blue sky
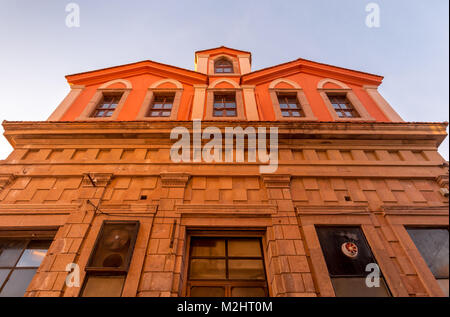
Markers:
point(410, 48)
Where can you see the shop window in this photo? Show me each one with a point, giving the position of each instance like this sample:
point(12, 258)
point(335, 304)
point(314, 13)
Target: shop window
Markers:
point(226, 266)
point(110, 259)
point(19, 261)
point(432, 244)
point(347, 255)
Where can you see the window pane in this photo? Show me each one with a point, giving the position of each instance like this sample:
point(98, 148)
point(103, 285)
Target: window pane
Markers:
point(168, 106)
point(285, 113)
point(231, 113)
point(283, 106)
point(293, 106)
point(248, 292)
point(230, 105)
point(155, 113)
point(10, 252)
point(244, 248)
point(109, 114)
point(157, 106)
point(3, 275)
point(332, 240)
point(104, 106)
point(356, 287)
point(205, 269)
point(18, 283)
point(32, 257)
point(218, 114)
point(207, 247)
point(103, 286)
point(443, 283)
point(296, 114)
point(246, 269)
point(432, 244)
point(198, 291)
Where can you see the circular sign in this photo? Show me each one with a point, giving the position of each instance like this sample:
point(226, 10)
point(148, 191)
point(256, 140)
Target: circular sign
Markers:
point(349, 249)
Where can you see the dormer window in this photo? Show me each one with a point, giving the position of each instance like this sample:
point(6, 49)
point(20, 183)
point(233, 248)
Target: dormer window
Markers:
point(342, 106)
point(106, 107)
point(162, 105)
point(224, 105)
point(223, 66)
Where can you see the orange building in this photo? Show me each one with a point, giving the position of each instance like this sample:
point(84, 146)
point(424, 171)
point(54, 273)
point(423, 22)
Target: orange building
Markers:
point(92, 202)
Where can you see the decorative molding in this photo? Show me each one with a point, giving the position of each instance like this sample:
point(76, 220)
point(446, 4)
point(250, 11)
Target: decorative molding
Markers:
point(224, 80)
point(222, 210)
point(405, 210)
point(274, 83)
point(356, 209)
point(324, 81)
point(96, 179)
point(276, 181)
point(128, 208)
point(5, 180)
point(174, 180)
point(442, 180)
point(112, 82)
point(177, 84)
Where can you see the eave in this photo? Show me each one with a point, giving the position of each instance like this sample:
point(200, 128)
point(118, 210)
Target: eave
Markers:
point(306, 66)
point(134, 69)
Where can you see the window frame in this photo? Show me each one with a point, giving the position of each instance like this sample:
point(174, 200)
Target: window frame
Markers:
point(302, 101)
point(149, 99)
point(88, 111)
point(222, 60)
point(210, 96)
point(44, 234)
point(225, 283)
point(351, 97)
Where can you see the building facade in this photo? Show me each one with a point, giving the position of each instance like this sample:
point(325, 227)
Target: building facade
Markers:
point(92, 203)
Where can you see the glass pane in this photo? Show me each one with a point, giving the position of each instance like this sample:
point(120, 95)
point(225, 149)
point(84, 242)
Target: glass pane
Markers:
point(168, 106)
point(246, 269)
point(109, 114)
point(197, 291)
point(231, 113)
point(230, 105)
point(218, 114)
point(285, 113)
point(348, 114)
point(296, 114)
point(18, 283)
point(342, 263)
point(34, 254)
point(3, 275)
point(248, 292)
point(104, 106)
point(113, 106)
point(356, 287)
point(335, 106)
point(103, 286)
point(100, 113)
point(205, 269)
point(284, 106)
point(244, 248)
point(157, 106)
point(165, 114)
point(154, 113)
point(443, 283)
point(219, 70)
point(218, 105)
point(340, 114)
point(10, 252)
point(432, 244)
point(207, 247)
point(293, 106)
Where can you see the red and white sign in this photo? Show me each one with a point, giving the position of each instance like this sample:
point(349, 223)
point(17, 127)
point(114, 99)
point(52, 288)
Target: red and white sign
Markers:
point(350, 249)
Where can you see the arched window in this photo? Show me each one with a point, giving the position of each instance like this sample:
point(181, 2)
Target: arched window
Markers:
point(223, 66)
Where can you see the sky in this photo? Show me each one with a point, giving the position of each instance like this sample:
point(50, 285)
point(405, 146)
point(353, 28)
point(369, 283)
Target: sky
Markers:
point(410, 48)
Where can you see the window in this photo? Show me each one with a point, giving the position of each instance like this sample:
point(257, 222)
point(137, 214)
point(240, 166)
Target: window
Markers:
point(224, 105)
point(110, 259)
point(347, 254)
point(19, 260)
point(342, 106)
point(223, 66)
point(162, 105)
point(105, 108)
point(289, 105)
point(226, 266)
point(432, 244)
